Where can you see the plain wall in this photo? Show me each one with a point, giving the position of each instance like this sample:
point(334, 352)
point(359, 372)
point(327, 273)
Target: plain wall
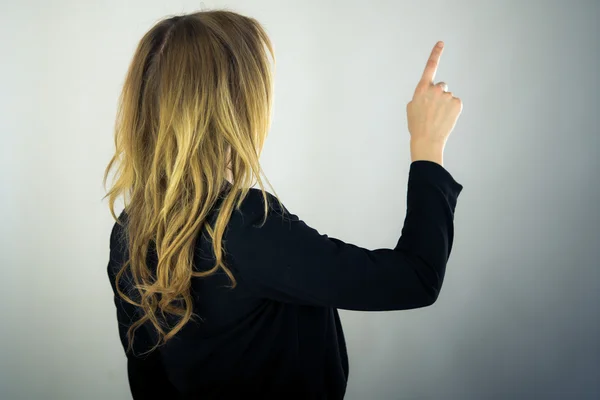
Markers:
point(517, 317)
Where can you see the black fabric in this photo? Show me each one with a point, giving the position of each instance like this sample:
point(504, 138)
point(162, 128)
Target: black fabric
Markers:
point(278, 335)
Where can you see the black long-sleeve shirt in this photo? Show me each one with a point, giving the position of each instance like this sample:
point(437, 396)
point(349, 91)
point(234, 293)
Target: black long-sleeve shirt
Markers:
point(277, 335)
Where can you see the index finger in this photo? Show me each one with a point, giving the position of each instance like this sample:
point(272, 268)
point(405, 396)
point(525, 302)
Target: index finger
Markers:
point(432, 63)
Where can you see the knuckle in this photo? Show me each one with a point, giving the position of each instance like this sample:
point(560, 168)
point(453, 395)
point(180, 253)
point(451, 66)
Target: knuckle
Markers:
point(421, 91)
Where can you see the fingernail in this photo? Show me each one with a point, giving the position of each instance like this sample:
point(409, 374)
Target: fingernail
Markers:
point(440, 44)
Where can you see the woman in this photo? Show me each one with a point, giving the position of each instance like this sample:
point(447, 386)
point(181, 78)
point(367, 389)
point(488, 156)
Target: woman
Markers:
point(220, 291)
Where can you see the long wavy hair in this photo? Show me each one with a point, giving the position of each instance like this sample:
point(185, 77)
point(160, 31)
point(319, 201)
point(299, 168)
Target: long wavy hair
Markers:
point(193, 114)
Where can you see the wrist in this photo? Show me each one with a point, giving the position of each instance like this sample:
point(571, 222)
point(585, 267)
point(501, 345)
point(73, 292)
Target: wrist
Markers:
point(427, 151)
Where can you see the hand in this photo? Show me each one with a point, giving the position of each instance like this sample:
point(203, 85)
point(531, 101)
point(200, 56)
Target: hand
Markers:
point(432, 113)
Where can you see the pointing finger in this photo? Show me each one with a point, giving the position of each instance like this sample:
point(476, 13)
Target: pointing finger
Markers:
point(432, 65)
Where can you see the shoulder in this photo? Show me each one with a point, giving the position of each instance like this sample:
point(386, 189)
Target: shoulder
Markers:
point(251, 213)
point(254, 202)
point(118, 244)
point(119, 232)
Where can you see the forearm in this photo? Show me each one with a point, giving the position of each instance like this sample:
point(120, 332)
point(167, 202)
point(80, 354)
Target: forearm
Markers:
point(428, 231)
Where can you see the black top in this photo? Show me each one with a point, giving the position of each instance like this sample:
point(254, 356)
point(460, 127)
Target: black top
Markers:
point(277, 335)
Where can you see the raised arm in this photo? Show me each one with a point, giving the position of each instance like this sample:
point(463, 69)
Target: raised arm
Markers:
point(288, 261)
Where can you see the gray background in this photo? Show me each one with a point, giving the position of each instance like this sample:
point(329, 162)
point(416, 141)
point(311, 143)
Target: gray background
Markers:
point(518, 314)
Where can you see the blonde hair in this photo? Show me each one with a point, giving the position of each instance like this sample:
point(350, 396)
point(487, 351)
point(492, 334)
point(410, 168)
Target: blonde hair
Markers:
point(194, 112)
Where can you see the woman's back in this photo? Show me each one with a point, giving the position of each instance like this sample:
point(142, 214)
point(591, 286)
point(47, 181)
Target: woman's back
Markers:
point(245, 342)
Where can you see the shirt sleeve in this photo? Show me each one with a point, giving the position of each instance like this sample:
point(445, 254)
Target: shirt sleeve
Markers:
point(286, 260)
point(146, 374)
